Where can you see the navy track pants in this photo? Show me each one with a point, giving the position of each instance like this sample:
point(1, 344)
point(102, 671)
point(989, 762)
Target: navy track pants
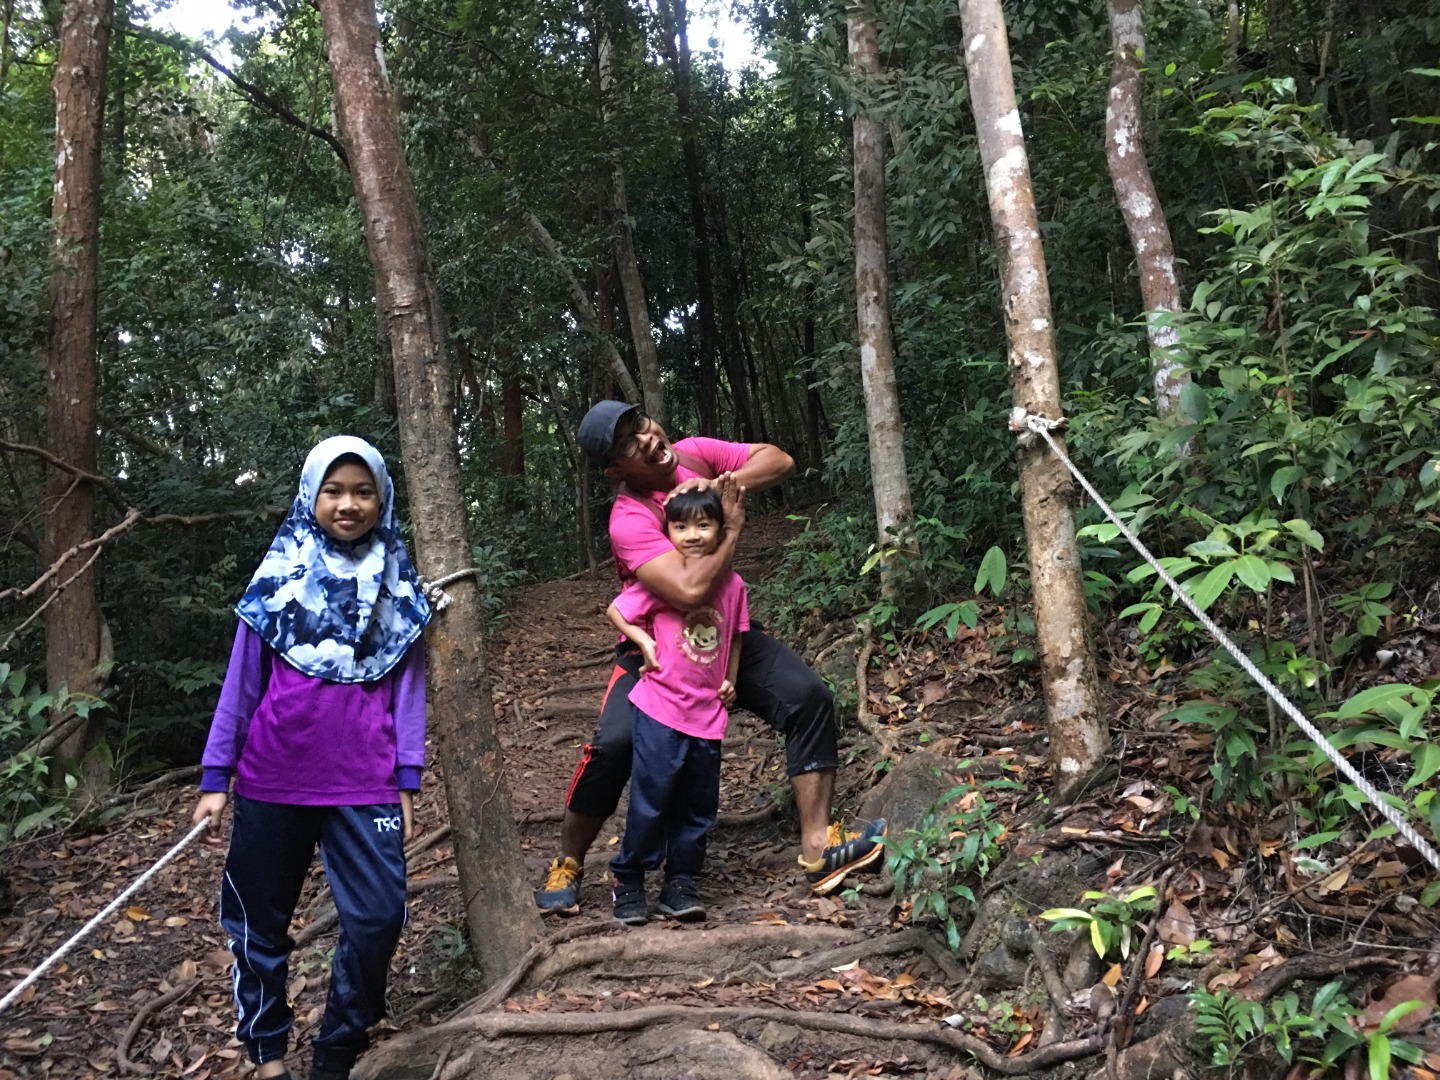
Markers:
point(674, 799)
point(271, 848)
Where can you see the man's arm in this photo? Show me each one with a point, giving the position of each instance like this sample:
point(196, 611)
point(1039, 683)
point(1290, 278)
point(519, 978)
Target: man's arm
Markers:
point(686, 583)
point(768, 465)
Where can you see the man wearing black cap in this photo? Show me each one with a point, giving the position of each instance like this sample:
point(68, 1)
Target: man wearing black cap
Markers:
point(774, 683)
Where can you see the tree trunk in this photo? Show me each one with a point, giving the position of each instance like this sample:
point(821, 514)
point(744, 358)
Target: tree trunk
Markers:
point(676, 44)
point(1140, 207)
point(626, 260)
point(893, 512)
point(73, 624)
point(585, 310)
point(499, 910)
point(1078, 739)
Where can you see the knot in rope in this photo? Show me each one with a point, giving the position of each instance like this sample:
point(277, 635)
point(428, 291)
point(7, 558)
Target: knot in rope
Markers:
point(435, 590)
point(1027, 425)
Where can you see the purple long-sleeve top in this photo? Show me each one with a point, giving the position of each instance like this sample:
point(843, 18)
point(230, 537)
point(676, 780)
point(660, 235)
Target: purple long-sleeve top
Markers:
point(288, 737)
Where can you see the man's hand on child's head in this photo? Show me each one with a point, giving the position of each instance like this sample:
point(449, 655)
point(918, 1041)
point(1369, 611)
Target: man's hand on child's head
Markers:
point(695, 483)
point(727, 693)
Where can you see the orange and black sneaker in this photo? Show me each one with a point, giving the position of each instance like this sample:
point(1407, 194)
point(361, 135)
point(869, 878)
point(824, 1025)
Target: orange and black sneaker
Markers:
point(846, 853)
point(561, 892)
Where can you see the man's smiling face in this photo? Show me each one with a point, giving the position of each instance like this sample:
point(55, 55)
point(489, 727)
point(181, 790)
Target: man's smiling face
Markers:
point(641, 454)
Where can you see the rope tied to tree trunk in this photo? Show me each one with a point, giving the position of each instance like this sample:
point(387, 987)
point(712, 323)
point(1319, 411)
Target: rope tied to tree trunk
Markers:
point(1029, 426)
point(104, 912)
point(435, 590)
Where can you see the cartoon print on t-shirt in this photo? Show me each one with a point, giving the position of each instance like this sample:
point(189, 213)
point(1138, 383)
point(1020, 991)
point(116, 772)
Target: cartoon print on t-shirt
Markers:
point(700, 635)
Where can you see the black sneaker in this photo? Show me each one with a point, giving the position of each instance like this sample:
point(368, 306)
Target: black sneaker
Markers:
point(630, 906)
point(679, 900)
point(857, 852)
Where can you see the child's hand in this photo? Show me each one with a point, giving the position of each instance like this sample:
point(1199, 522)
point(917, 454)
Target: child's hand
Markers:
point(647, 650)
point(211, 805)
point(727, 693)
point(407, 812)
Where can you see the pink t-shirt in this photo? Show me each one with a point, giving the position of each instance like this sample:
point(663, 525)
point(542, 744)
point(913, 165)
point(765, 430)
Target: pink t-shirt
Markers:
point(636, 535)
point(693, 649)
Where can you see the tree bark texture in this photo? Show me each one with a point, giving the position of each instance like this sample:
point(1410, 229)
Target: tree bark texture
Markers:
point(626, 261)
point(1078, 738)
point(872, 297)
point(1140, 206)
point(73, 623)
point(499, 910)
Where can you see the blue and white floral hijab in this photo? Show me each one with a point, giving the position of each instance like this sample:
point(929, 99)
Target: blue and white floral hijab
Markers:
point(343, 611)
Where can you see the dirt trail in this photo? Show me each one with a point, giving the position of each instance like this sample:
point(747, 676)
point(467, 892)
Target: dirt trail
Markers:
point(777, 982)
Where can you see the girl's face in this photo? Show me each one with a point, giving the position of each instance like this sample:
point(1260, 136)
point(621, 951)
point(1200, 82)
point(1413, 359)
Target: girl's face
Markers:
point(694, 536)
point(348, 505)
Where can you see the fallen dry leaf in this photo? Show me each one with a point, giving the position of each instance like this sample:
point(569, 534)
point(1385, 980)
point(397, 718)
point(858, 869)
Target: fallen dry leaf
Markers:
point(1154, 959)
point(1112, 977)
point(1177, 925)
point(1409, 988)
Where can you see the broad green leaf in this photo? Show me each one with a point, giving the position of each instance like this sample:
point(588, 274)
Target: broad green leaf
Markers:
point(1427, 764)
point(1193, 401)
point(992, 572)
point(1209, 588)
point(1375, 699)
point(1205, 548)
point(1282, 479)
point(1314, 840)
point(1253, 572)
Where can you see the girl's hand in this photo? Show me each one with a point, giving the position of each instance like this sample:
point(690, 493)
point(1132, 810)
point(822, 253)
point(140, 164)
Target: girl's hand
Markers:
point(407, 812)
point(211, 805)
point(727, 693)
point(647, 650)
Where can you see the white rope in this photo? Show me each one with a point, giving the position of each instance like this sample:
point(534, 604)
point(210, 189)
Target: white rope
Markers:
point(435, 590)
point(50, 960)
point(1021, 420)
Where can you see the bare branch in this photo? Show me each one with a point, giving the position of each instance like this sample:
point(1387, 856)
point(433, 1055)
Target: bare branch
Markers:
point(258, 96)
point(105, 485)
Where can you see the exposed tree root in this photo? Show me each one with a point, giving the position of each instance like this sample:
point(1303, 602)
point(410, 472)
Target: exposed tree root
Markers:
point(912, 940)
point(504, 1025)
point(149, 1009)
point(712, 948)
point(869, 723)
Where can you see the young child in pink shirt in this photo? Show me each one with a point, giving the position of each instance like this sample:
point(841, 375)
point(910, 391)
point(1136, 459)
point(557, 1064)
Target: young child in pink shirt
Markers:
point(688, 679)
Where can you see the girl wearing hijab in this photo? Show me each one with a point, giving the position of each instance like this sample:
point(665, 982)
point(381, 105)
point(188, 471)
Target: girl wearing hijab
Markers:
point(321, 727)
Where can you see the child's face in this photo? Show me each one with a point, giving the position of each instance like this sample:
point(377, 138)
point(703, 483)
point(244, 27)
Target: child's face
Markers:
point(694, 536)
point(348, 505)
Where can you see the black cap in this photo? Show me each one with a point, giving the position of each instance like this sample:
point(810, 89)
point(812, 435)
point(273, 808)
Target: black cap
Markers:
point(597, 430)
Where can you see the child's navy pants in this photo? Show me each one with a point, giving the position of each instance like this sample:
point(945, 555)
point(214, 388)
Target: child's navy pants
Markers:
point(271, 848)
point(674, 799)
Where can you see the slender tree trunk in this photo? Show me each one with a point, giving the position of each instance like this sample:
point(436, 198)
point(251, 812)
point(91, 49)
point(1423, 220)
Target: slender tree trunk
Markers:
point(499, 910)
point(1078, 739)
point(1140, 207)
point(893, 512)
point(676, 44)
point(627, 262)
point(585, 310)
point(73, 624)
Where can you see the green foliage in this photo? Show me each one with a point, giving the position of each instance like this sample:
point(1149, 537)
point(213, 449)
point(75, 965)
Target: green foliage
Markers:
point(1112, 921)
point(1320, 1035)
point(27, 798)
point(957, 843)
